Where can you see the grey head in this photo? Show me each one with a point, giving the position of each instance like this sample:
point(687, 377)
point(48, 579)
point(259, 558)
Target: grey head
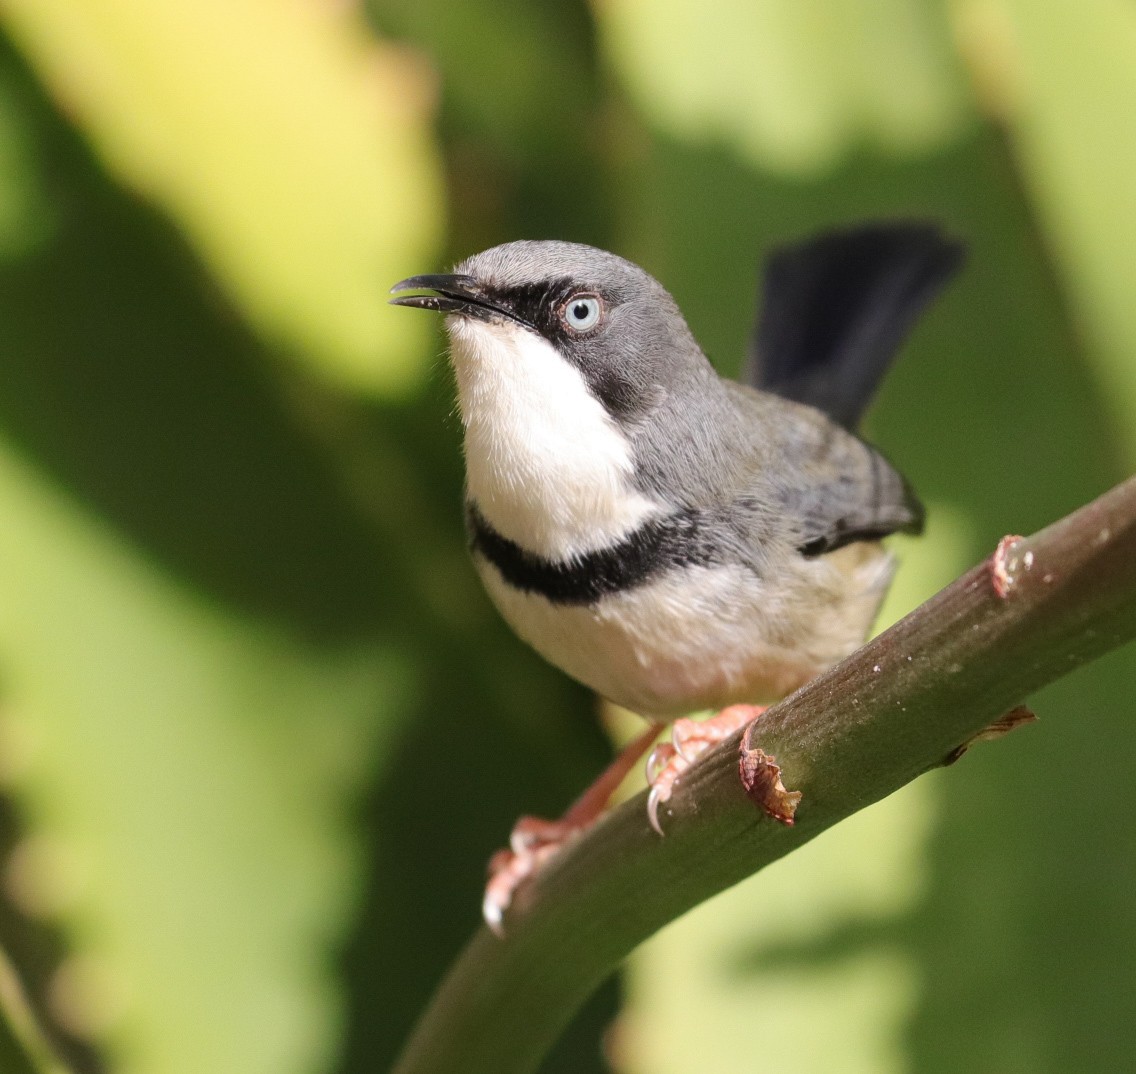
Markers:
point(613, 322)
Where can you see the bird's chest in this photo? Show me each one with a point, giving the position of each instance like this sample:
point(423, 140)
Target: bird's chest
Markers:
point(700, 637)
point(690, 639)
point(546, 464)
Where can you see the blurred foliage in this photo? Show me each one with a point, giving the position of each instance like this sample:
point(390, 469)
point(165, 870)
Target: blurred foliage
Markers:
point(260, 730)
point(789, 86)
point(290, 146)
point(1067, 78)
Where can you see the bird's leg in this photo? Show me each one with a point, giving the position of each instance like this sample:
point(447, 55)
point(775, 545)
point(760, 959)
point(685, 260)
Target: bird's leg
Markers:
point(534, 840)
point(689, 740)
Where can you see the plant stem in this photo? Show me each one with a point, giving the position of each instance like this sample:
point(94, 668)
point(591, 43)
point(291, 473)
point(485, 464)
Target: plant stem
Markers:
point(896, 708)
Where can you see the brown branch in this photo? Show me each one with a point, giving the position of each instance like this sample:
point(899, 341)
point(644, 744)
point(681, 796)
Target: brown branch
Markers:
point(898, 707)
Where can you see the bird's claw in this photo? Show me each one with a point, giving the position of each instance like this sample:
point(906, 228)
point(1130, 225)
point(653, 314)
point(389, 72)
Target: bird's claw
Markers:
point(532, 842)
point(654, 799)
point(657, 759)
point(690, 739)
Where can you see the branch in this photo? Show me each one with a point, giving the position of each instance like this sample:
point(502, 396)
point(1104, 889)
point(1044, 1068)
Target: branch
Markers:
point(896, 708)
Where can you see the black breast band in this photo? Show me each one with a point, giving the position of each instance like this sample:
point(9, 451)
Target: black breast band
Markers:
point(676, 540)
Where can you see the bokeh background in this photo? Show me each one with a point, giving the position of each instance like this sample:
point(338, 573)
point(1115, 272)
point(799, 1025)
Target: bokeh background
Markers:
point(260, 729)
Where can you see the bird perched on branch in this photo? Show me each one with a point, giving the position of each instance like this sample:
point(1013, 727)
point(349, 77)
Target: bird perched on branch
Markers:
point(675, 540)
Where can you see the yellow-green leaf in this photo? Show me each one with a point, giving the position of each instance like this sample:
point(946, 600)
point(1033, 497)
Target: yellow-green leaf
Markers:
point(187, 776)
point(1064, 78)
point(291, 146)
point(789, 86)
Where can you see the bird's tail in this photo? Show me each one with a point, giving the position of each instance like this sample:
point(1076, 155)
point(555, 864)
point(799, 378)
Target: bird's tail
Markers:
point(836, 308)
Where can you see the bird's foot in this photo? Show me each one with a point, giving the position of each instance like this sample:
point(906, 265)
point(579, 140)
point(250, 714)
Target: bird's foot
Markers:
point(689, 740)
point(534, 840)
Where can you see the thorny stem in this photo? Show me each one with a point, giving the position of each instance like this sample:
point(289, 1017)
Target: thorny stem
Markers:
point(898, 707)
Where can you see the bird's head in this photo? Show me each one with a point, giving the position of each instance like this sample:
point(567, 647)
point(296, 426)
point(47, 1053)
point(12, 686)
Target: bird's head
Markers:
point(565, 314)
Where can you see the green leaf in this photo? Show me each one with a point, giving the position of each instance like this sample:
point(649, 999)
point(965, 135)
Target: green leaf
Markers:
point(789, 86)
point(14, 1057)
point(1064, 78)
point(292, 148)
point(192, 772)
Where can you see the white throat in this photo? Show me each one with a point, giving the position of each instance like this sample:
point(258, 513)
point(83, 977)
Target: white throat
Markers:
point(545, 462)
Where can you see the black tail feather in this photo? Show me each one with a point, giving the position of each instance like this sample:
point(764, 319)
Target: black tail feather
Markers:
point(836, 308)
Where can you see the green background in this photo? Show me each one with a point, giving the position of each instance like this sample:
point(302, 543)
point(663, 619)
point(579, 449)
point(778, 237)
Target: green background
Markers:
point(260, 729)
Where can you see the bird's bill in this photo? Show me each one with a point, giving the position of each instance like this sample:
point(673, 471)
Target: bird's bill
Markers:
point(454, 293)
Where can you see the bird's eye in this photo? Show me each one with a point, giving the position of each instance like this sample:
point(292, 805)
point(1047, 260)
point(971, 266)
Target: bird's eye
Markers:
point(581, 313)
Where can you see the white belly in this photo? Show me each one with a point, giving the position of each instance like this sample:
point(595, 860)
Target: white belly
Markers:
point(709, 637)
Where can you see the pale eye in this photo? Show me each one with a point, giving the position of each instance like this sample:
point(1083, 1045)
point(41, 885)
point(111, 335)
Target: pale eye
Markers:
point(581, 312)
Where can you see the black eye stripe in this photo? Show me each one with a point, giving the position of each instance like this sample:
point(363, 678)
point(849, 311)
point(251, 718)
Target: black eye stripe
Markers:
point(536, 303)
point(543, 305)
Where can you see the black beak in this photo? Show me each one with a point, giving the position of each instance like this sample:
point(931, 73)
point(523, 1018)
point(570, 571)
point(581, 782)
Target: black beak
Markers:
point(453, 294)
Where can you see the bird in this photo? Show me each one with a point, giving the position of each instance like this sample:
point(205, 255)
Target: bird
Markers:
point(676, 540)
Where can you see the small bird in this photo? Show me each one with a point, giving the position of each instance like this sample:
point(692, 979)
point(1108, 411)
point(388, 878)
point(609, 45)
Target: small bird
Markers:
point(673, 539)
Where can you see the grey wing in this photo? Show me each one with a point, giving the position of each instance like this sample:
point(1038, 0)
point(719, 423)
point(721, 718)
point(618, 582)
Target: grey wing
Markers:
point(832, 487)
point(849, 492)
point(864, 500)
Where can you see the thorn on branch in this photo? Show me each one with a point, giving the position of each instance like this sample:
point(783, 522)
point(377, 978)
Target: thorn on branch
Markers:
point(761, 779)
point(1005, 565)
point(1002, 726)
